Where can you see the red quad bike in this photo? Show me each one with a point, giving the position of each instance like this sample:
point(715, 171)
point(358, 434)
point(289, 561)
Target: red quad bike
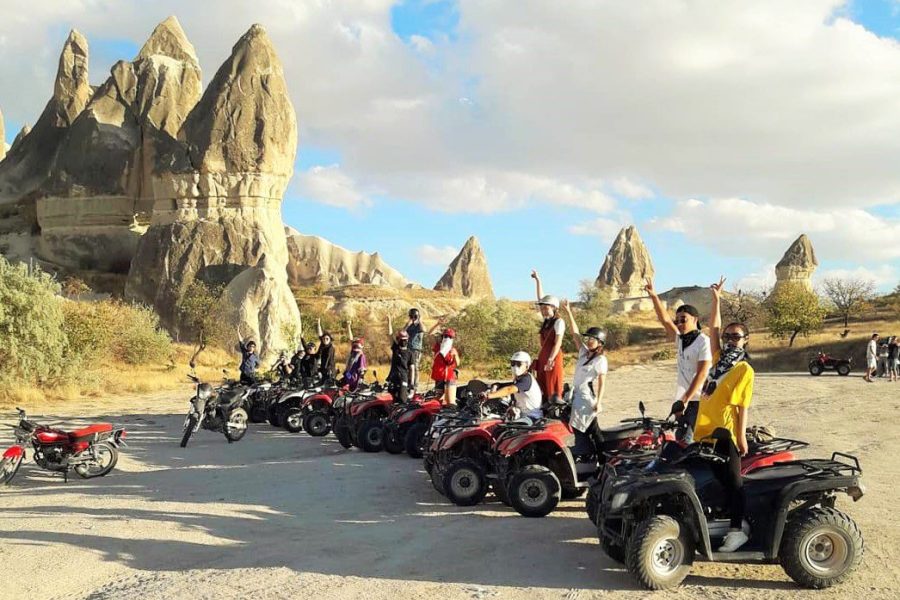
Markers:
point(542, 463)
point(823, 362)
point(406, 426)
point(359, 420)
point(91, 451)
point(660, 519)
point(310, 410)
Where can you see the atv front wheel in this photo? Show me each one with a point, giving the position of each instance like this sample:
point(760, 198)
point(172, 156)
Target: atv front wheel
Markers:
point(316, 423)
point(392, 442)
point(843, 370)
point(293, 421)
point(534, 491)
point(414, 440)
point(660, 553)
point(371, 436)
point(342, 433)
point(821, 547)
point(815, 369)
point(465, 482)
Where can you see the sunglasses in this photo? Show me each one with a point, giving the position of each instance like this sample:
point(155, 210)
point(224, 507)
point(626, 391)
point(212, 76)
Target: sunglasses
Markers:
point(732, 337)
point(516, 363)
point(681, 321)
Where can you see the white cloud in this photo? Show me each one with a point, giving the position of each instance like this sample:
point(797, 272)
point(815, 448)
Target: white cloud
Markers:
point(604, 228)
point(763, 279)
point(434, 256)
point(329, 185)
point(885, 277)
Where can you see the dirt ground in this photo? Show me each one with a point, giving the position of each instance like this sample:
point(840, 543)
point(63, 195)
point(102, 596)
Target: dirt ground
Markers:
point(279, 515)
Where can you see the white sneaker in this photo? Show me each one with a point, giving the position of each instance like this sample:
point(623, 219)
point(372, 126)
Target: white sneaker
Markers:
point(733, 541)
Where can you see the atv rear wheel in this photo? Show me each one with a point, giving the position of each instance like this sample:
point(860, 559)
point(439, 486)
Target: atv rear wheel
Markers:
point(414, 440)
point(843, 370)
point(236, 426)
point(316, 423)
point(821, 547)
point(293, 421)
point(465, 482)
point(342, 433)
point(815, 369)
point(660, 552)
point(534, 491)
point(392, 443)
point(371, 436)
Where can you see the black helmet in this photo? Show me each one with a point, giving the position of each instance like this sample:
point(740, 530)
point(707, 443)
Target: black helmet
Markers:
point(596, 333)
point(414, 313)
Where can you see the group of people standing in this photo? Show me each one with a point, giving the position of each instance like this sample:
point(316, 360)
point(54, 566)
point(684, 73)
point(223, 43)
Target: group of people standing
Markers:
point(882, 358)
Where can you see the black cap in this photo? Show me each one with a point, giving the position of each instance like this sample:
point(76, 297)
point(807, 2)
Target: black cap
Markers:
point(689, 309)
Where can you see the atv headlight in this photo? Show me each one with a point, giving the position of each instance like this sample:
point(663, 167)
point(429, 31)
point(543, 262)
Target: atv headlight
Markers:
point(618, 501)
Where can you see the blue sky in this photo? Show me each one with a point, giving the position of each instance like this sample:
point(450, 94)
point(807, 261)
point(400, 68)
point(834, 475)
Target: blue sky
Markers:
point(537, 235)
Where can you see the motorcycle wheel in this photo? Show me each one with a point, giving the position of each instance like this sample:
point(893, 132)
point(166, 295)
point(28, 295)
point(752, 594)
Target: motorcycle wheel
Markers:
point(107, 457)
point(8, 468)
point(236, 426)
point(188, 430)
point(316, 423)
point(293, 421)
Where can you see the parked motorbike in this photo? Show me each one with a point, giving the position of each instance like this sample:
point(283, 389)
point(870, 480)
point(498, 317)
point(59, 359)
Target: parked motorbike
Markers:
point(90, 451)
point(216, 409)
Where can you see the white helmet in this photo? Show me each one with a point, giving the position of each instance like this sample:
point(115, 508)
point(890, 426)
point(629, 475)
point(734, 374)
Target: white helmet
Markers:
point(521, 357)
point(549, 301)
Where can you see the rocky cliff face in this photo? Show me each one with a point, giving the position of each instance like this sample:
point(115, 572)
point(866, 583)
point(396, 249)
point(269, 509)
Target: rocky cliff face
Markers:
point(468, 274)
point(217, 193)
point(797, 265)
point(313, 260)
point(627, 265)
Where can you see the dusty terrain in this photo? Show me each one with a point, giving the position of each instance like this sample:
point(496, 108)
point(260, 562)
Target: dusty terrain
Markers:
point(280, 515)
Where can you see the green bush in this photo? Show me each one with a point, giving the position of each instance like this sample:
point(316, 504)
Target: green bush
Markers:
point(114, 330)
point(665, 354)
point(32, 341)
point(140, 340)
point(618, 332)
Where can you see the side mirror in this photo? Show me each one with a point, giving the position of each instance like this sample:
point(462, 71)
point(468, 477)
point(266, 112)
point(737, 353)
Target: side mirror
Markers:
point(642, 408)
point(192, 365)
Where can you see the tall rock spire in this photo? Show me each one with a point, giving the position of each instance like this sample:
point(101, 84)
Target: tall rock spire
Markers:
point(627, 265)
point(468, 274)
point(797, 265)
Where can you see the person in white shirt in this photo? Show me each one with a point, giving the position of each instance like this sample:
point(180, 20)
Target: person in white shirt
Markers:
point(589, 380)
point(692, 348)
point(871, 357)
point(524, 390)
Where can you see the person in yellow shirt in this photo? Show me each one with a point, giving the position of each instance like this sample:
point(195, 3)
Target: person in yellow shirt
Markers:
point(724, 410)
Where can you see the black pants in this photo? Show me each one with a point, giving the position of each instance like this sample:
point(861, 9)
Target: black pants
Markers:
point(596, 436)
point(400, 392)
point(729, 474)
point(247, 379)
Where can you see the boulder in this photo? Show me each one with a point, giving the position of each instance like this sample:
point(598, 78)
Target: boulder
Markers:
point(259, 304)
point(797, 265)
point(627, 265)
point(217, 207)
point(313, 260)
point(468, 274)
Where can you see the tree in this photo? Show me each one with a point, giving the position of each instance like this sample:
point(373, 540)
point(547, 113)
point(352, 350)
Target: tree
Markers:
point(848, 295)
point(793, 310)
point(201, 314)
point(744, 307)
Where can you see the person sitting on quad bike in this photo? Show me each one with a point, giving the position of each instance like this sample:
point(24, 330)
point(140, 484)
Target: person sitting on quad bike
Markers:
point(355, 369)
point(416, 332)
point(589, 380)
point(325, 354)
point(249, 361)
point(725, 404)
point(548, 368)
point(524, 389)
point(446, 362)
point(400, 375)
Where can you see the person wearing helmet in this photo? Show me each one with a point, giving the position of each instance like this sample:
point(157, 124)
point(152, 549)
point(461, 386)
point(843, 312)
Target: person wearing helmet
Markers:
point(524, 389)
point(446, 362)
point(325, 354)
point(249, 361)
point(548, 368)
point(355, 369)
point(416, 332)
point(589, 380)
point(400, 376)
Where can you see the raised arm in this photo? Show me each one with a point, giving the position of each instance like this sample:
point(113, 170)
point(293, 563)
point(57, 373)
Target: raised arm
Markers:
point(573, 326)
point(715, 326)
point(319, 328)
point(350, 330)
point(437, 324)
point(661, 314)
point(390, 327)
point(537, 284)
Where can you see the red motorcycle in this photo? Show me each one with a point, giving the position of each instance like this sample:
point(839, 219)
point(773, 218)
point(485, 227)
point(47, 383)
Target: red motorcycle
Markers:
point(91, 451)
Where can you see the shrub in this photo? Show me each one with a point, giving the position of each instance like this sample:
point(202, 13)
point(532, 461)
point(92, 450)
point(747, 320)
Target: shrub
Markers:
point(32, 340)
point(140, 340)
point(665, 354)
point(618, 331)
point(114, 330)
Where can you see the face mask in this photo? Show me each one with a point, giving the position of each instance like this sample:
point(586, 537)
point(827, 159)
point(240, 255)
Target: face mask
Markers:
point(446, 345)
point(517, 371)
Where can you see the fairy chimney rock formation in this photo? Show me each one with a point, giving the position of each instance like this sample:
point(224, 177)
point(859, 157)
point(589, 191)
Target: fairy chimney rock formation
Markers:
point(313, 260)
point(217, 208)
point(627, 265)
point(468, 274)
point(797, 265)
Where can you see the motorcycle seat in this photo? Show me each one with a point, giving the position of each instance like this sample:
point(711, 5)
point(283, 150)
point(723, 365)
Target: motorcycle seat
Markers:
point(90, 431)
point(230, 398)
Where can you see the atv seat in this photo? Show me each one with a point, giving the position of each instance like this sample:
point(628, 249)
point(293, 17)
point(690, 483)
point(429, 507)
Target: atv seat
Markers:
point(777, 473)
point(622, 431)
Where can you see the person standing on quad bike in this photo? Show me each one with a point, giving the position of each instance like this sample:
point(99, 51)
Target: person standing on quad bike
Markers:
point(692, 348)
point(355, 369)
point(249, 361)
point(589, 380)
point(549, 366)
point(725, 405)
point(325, 353)
point(416, 332)
point(524, 389)
point(400, 375)
point(446, 362)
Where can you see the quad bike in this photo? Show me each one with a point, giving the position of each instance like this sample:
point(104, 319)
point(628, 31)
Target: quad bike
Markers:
point(658, 520)
point(216, 409)
point(90, 451)
point(406, 426)
point(310, 410)
point(359, 422)
point(540, 464)
point(823, 362)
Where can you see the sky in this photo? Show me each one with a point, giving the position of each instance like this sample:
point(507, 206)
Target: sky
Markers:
point(722, 129)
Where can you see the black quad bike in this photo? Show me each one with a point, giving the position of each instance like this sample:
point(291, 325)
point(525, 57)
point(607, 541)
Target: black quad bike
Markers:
point(216, 409)
point(824, 362)
point(659, 519)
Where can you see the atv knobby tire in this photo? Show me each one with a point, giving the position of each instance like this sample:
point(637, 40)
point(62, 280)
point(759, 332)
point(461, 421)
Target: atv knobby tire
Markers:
point(821, 547)
point(392, 442)
point(371, 436)
point(415, 438)
point(465, 482)
point(534, 491)
point(342, 433)
point(815, 369)
point(843, 370)
point(316, 424)
point(660, 552)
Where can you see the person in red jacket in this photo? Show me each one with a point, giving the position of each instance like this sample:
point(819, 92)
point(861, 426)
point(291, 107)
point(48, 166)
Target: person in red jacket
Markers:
point(446, 362)
point(548, 368)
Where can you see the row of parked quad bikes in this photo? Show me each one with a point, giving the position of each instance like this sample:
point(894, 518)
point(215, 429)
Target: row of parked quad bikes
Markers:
point(654, 499)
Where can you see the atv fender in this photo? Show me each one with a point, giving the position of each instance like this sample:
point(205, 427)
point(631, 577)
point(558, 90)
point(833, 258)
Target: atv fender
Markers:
point(472, 435)
point(667, 491)
point(318, 402)
point(561, 462)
